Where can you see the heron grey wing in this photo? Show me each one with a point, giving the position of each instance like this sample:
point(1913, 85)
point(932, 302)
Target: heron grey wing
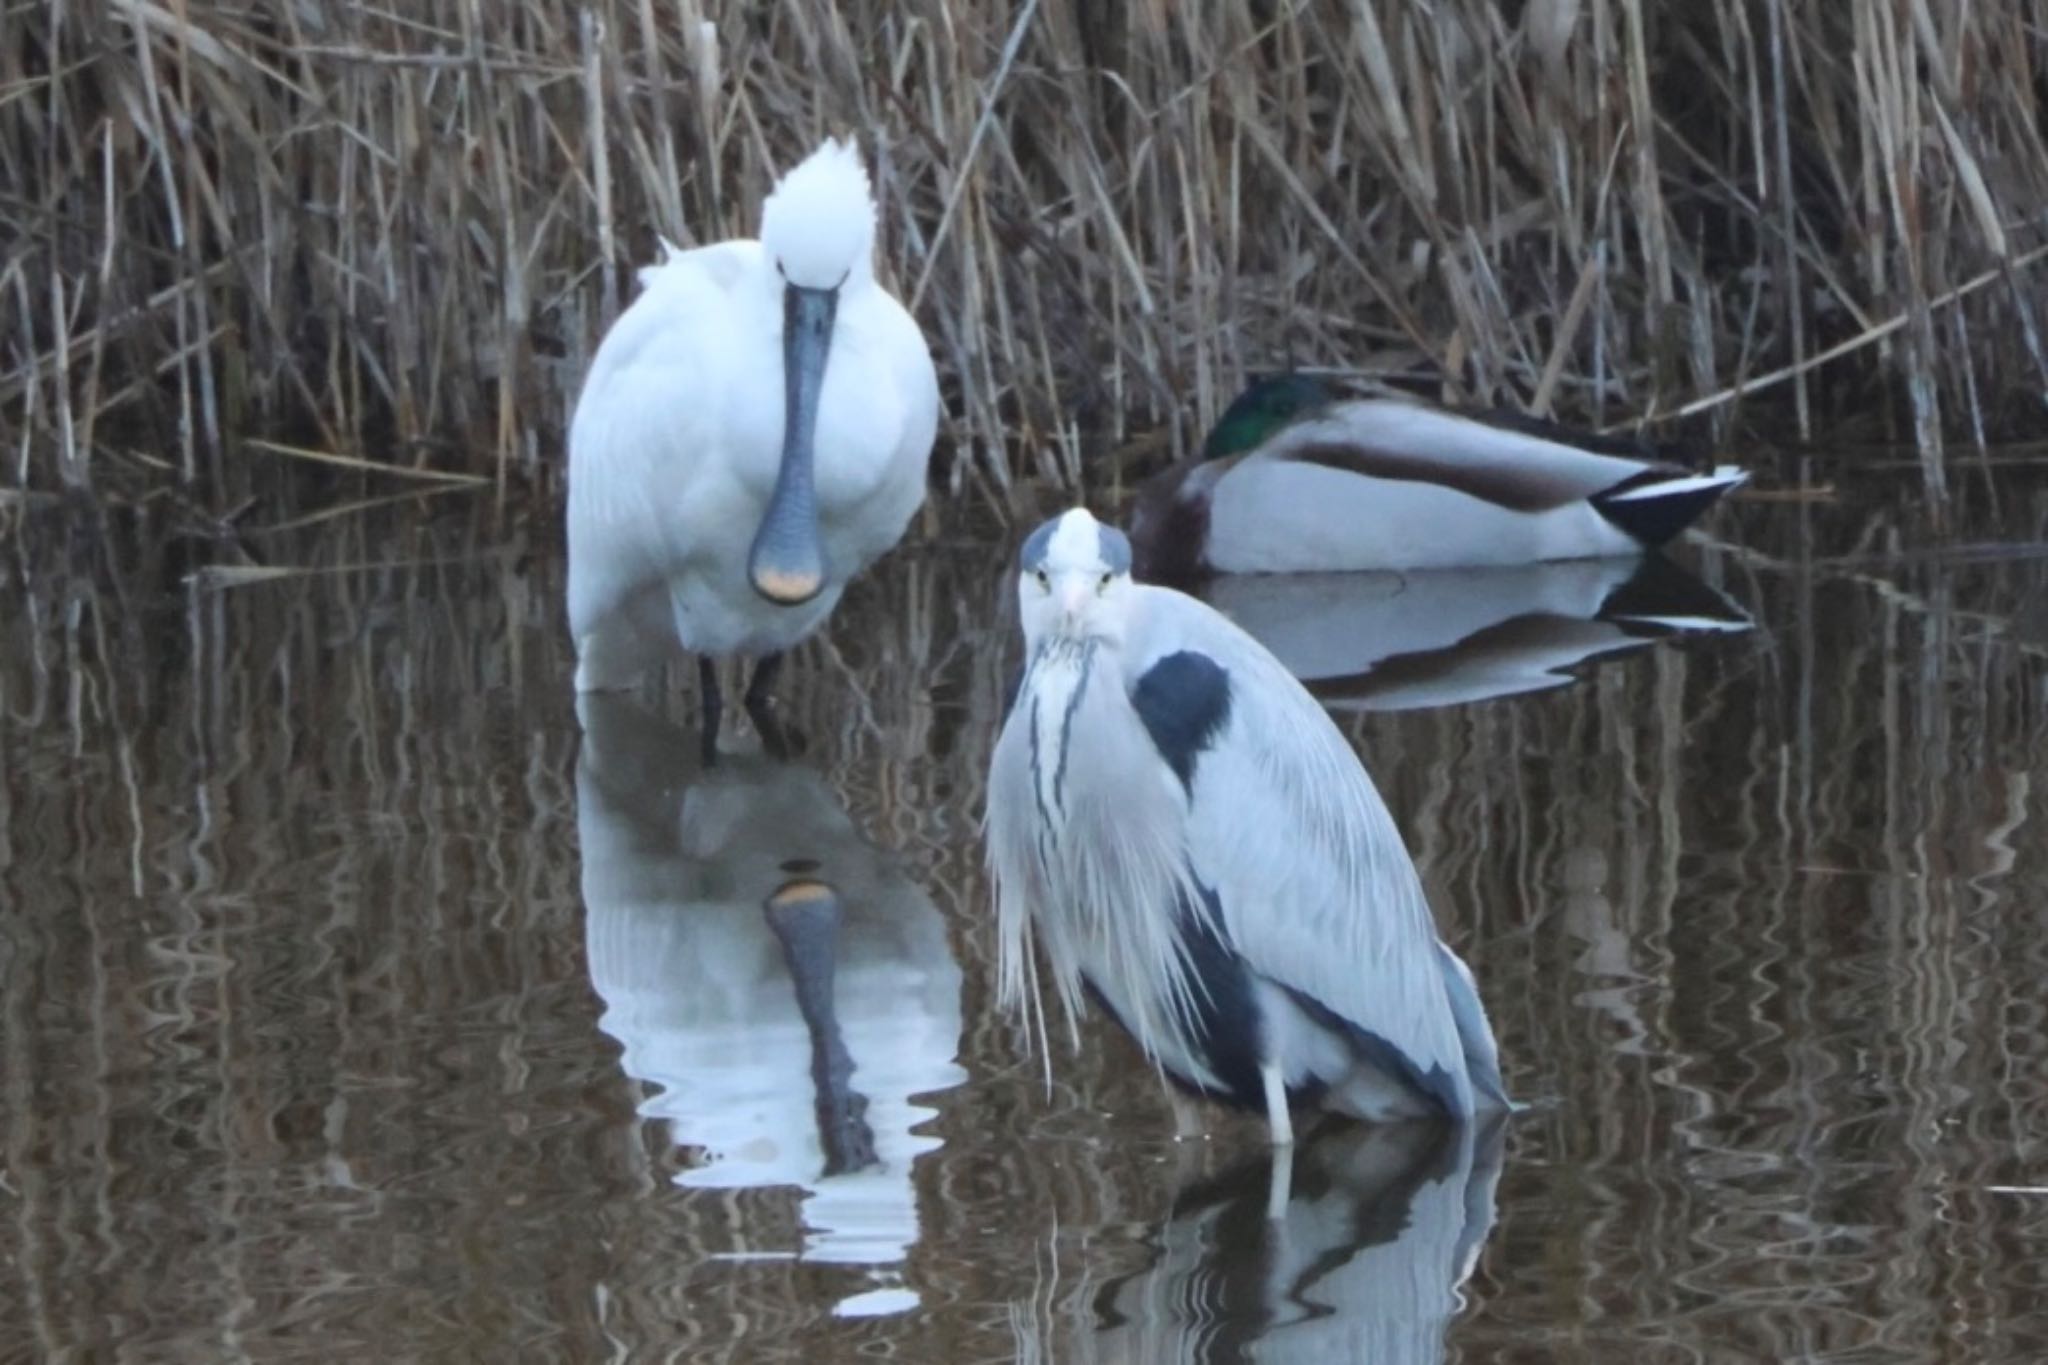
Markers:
point(1314, 885)
point(1475, 1034)
point(1385, 438)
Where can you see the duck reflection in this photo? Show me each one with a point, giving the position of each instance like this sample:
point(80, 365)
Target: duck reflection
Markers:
point(782, 981)
point(1441, 637)
point(1359, 1253)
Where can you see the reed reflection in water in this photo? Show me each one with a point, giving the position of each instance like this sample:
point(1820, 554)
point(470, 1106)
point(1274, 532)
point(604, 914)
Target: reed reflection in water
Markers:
point(300, 1052)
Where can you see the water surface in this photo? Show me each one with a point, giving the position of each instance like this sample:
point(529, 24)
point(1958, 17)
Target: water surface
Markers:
point(358, 1006)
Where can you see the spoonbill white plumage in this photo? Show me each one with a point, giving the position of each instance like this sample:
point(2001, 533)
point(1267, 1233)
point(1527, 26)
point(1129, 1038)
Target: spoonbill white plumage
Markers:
point(752, 433)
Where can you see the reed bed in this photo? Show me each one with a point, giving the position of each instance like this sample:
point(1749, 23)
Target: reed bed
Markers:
point(395, 232)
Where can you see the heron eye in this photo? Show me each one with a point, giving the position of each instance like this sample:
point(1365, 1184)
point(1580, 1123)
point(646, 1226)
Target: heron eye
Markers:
point(1044, 579)
point(1103, 586)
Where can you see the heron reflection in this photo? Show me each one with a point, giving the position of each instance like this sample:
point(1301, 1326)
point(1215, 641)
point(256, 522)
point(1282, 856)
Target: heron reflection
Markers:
point(783, 983)
point(1362, 1253)
point(1442, 637)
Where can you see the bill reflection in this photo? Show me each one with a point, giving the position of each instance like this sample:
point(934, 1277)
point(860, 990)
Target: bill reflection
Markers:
point(782, 986)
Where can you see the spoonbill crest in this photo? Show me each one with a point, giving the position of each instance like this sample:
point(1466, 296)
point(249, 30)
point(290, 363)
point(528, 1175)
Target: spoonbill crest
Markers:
point(753, 432)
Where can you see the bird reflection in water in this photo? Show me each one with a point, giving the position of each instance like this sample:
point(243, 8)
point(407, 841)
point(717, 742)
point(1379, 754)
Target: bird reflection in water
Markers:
point(1360, 1252)
point(1443, 637)
point(782, 981)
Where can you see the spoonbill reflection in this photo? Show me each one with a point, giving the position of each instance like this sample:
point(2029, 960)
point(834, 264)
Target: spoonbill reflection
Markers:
point(753, 432)
point(1363, 1259)
point(781, 980)
point(1298, 478)
point(1442, 637)
point(1192, 839)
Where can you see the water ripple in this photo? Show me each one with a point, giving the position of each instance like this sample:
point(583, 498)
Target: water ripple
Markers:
point(311, 1046)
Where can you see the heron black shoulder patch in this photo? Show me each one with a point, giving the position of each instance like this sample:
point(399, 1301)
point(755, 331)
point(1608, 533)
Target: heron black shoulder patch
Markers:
point(1183, 699)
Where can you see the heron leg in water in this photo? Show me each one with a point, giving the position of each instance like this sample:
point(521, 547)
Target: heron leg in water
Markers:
point(713, 704)
point(1278, 1120)
point(1279, 1183)
point(761, 706)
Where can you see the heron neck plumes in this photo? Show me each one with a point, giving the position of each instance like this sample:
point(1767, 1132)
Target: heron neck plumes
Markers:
point(1107, 857)
point(1061, 668)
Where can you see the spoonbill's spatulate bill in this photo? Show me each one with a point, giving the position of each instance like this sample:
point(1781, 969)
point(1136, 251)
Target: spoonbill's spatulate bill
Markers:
point(1296, 478)
point(753, 432)
point(1188, 835)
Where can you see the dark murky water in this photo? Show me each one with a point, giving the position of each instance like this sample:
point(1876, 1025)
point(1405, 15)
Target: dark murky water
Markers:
point(355, 1004)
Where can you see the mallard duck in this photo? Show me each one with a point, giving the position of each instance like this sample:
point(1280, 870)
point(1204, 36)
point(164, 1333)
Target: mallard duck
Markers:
point(1298, 478)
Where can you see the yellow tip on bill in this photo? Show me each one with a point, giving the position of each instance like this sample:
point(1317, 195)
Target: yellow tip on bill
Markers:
point(792, 895)
point(788, 588)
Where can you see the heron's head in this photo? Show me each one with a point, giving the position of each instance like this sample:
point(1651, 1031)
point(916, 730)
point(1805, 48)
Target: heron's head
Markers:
point(1075, 582)
point(818, 228)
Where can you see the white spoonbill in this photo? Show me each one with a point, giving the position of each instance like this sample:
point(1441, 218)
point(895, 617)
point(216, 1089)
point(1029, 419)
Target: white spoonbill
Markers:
point(752, 433)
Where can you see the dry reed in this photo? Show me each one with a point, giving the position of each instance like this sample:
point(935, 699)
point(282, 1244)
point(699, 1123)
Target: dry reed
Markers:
point(394, 233)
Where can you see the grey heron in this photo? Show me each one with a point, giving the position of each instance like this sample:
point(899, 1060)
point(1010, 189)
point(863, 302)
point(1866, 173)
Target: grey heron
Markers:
point(1297, 478)
point(783, 984)
point(1187, 834)
point(753, 431)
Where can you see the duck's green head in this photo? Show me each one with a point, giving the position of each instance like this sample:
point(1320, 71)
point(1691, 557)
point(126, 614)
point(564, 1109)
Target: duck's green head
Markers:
point(1268, 405)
